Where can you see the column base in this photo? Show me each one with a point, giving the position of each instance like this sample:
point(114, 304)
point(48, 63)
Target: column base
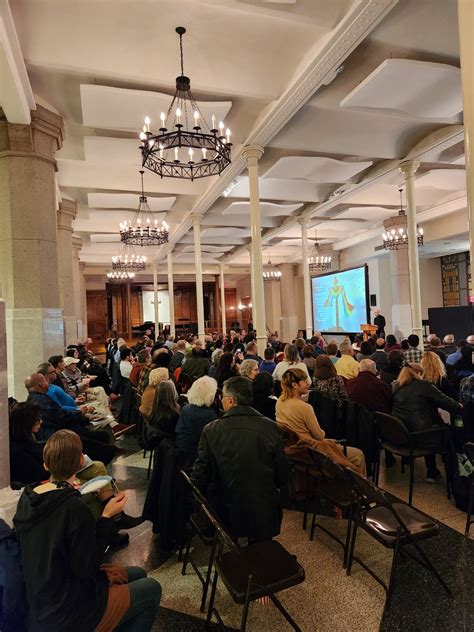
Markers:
point(33, 335)
point(401, 321)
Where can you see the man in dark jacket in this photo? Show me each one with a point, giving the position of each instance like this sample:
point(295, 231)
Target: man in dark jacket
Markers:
point(197, 365)
point(242, 466)
point(368, 390)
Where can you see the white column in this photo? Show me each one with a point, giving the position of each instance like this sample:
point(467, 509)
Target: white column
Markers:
point(196, 219)
point(169, 259)
point(252, 275)
point(253, 153)
point(76, 275)
point(156, 304)
point(65, 216)
point(224, 321)
point(4, 431)
point(303, 221)
point(466, 45)
point(409, 169)
point(83, 291)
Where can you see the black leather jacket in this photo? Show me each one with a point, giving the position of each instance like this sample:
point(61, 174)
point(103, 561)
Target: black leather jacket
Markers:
point(241, 465)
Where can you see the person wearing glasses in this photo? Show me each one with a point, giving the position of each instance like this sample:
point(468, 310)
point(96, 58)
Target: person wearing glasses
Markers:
point(295, 414)
point(241, 465)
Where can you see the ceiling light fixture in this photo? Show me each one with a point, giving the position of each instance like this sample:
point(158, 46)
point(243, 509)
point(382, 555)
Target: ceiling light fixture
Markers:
point(271, 275)
point(397, 237)
point(143, 230)
point(318, 262)
point(127, 260)
point(180, 152)
point(120, 276)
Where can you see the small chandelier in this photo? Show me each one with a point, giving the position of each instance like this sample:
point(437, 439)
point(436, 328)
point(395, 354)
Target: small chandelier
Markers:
point(318, 262)
point(120, 276)
point(271, 275)
point(177, 151)
point(143, 230)
point(127, 260)
point(397, 237)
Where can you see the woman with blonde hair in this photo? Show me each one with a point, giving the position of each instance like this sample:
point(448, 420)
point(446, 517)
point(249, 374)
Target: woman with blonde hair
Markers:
point(156, 377)
point(291, 360)
point(416, 402)
point(434, 371)
point(300, 417)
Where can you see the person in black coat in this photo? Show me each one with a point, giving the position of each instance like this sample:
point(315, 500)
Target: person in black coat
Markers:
point(241, 465)
point(263, 399)
point(379, 322)
point(26, 454)
point(416, 401)
point(395, 363)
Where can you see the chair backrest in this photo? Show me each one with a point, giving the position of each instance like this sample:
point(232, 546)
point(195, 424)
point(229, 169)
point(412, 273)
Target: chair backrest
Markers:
point(221, 533)
point(329, 414)
point(325, 466)
point(392, 430)
point(137, 396)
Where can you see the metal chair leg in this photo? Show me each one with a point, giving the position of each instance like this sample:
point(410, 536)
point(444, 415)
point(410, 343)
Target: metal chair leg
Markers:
point(469, 508)
point(245, 611)
point(207, 581)
point(392, 573)
point(211, 600)
point(348, 539)
point(149, 465)
point(186, 556)
point(412, 481)
point(351, 550)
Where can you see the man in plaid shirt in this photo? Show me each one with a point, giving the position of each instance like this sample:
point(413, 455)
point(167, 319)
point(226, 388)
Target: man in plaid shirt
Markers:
point(413, 354)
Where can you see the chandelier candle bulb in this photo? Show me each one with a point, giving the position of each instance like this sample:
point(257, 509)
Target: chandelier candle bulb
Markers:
point(142, 136)
point(176, 155)
point(147, 123)
point(190, 152)
point(213, 120)
point(163, 118)
point(161, 151)
point(221, 128)
point(204, 152)
point(144, 129)
point(227, 133)
point(196, 118)
point(178, 116)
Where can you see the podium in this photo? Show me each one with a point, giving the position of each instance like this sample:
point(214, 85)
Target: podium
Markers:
point(368, 330)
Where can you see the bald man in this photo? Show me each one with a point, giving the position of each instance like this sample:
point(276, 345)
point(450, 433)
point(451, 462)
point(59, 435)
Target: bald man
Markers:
point(368, 390)
point(55, 418)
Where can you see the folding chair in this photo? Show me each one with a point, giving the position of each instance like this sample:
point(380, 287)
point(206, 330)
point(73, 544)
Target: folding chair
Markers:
point(395, 525)
point(469, 450)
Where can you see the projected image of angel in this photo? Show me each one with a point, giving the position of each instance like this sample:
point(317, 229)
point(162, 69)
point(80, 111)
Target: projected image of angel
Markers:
point(336, 293)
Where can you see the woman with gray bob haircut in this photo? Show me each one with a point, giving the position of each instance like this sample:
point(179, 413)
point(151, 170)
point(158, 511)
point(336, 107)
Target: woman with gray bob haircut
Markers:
point(249, 369)
point(216, 356)
point(199, 411)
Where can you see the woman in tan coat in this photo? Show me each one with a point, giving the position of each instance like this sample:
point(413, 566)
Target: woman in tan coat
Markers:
point(156, 377)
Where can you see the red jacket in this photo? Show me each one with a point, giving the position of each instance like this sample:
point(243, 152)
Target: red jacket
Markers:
point(368, 390)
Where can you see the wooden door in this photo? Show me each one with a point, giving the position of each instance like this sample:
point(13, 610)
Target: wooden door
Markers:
point(97, 314)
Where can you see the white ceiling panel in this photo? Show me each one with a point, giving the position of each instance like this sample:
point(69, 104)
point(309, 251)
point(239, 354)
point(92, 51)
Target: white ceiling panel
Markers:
point(411, 87)
point(218, 219)
point(207, 248)
point(224, 232)
point(118, 151)
point(370, 213)
point(266, 208)
point(316, 169)
point(117, 108)
point(105, 238)
point(274, 189)
point(449, 179)
point(128, 200)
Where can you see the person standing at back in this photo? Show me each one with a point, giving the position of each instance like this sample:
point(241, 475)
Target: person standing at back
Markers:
point(241, 465)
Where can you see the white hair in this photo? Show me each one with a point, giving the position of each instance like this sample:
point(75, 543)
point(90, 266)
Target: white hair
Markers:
point(247, 366)
point(216, 356)
point(368, 365)
point(203, 391)
point(345, 347)
point(158, 375)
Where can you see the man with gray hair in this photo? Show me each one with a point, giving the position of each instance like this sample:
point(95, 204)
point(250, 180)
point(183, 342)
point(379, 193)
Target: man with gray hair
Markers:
point(368, 390)
point(241, 465)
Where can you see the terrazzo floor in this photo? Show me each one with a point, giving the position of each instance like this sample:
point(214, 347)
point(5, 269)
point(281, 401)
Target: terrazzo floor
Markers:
point(328, 600)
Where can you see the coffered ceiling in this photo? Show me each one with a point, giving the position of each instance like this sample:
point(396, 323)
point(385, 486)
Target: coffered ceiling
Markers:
point(338, 92)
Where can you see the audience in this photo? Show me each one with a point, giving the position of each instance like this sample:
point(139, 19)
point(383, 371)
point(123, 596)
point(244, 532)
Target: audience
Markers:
point(326, 380)
point(226, 368)
point(366, 351)
point(391, 343)
point(268, 363)
point(249, 369)
point(216, 356)
point(434, 371)
point(435, 347)
point(263, 398)
point(177, 358)
point(143, 360)
point(456, 355)
point(368, 390)
point(26, 454)
point(156, 377)
point(242, 455)
point(196, 414)
point(197, 365)
point(380, 356)
point(413, 354)
point(395, 363)
point(347, 367)
point(291, 361)
point(298, 416)
point(126, 363)
point(448, 344)
point(62, 547)
point(416, 402)
point(165, 410)
point(331, 351)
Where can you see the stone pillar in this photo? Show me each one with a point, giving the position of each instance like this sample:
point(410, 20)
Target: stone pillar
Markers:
point(83, 295)
point(308, 312)
point(76, 282)
point(252, 154)
point(169, 259)
point(252, 275)
point(4, 433)
point(66, 214)
point(289, 318)
point(466, 45)
point(409, 169)
point(28, 249)
point(400, 285)
point(196, 219)
point(156, 302)
point(223, 306)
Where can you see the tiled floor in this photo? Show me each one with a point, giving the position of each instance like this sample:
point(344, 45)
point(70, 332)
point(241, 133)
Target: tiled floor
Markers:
point(328, 600)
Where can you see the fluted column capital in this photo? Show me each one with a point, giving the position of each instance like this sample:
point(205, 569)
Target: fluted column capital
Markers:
point(66, 213)
point(409, 167)
point(252, 153)
point(196, 219)
point(303, 221)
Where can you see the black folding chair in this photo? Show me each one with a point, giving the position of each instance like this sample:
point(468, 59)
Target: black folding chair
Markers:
point(395, 437)
point(251, 572)
point(395, 525)
point(469, 450)
point(199, 525)
point(334, 484)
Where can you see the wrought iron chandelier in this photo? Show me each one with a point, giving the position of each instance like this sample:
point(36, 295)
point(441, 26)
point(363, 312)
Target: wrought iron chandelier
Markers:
point(120, 276)
point(271, 275)
point(143, 230)
point(318, 262)
point(127, 260)
point(397, 237)
point(176, 150)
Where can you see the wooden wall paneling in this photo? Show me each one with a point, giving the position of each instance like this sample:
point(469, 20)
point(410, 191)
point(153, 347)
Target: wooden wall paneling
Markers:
point(97, 314)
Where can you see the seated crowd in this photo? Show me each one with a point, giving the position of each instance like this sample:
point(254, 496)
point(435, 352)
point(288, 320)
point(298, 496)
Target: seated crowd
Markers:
point(232, 414)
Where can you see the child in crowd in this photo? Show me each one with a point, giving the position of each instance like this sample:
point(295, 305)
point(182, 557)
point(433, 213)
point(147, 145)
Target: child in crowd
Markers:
point(62, 547)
